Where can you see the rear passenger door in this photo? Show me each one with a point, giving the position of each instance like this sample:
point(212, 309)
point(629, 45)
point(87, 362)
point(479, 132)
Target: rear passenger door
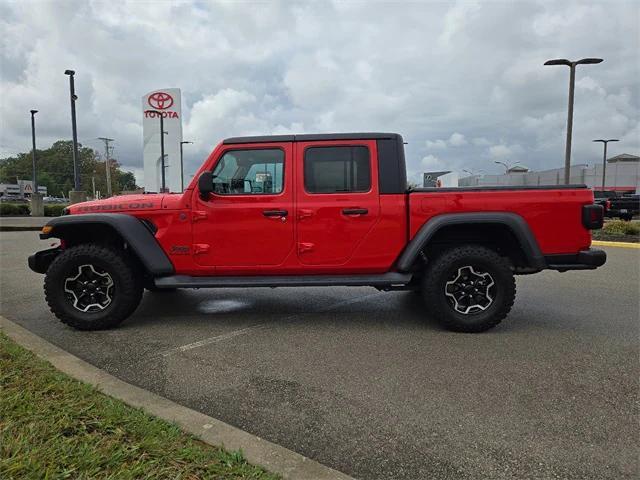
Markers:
point(337, 200)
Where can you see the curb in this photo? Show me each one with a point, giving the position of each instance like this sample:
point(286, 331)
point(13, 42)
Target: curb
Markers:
point(290, 465)
point(11, 228)
point(604, 243)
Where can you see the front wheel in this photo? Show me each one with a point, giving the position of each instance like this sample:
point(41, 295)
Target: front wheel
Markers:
point(92, 287)
point(469, 288)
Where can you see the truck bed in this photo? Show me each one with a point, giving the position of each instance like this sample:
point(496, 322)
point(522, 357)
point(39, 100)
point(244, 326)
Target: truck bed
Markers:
point(553, 213)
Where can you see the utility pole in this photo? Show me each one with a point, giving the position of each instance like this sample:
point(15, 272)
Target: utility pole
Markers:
point(107, 162)
point(572, 86)
point(604, 158)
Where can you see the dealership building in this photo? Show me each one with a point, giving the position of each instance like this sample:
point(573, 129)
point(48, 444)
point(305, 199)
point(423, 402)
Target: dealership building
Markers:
point(22, 189)
point(622, 175)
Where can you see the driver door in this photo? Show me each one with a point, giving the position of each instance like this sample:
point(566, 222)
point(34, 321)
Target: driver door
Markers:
point(247, 223)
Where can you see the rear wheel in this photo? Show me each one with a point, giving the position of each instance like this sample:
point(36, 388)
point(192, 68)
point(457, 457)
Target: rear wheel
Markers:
point(92, 287)
point(469, 288)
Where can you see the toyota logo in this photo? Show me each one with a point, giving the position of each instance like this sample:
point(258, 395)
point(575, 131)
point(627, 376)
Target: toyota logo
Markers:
point(160, 100)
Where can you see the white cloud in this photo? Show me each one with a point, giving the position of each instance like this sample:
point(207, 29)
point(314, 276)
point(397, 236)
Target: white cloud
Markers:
point(457, 140)
point(435, 144)
point(431, 162)
point(503, 152)
point(481, 142)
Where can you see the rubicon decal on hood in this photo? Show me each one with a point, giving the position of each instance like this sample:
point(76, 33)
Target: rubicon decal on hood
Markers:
point(116, 206)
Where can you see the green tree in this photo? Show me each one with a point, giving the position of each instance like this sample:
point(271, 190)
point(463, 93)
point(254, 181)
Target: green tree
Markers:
point(55, 170)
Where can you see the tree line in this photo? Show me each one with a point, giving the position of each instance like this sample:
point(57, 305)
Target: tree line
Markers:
point(55, 170)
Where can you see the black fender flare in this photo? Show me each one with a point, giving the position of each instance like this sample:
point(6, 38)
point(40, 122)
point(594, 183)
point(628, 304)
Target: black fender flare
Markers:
point(138, 237)
point(514, 222)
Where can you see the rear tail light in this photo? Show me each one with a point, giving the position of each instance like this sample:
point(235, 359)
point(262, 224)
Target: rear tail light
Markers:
point(607, 205)
point(592, 216)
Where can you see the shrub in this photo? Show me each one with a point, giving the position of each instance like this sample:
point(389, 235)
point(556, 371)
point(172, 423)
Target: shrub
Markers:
point(620, 227)
point(8, 209)
point(53, 210)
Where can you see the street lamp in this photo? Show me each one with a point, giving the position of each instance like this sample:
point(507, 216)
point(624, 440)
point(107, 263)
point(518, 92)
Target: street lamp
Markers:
point(33, 154)
point(72, 94)
point(572, 83)
point(162, 133)
point(604, 157)
point(182, 165)
point(507, 167)
point(471, 172)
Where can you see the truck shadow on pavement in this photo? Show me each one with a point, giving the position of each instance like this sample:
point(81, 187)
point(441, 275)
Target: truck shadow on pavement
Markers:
point(240, 307)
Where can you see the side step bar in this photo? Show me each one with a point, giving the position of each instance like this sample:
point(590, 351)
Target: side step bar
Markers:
point(383, 281)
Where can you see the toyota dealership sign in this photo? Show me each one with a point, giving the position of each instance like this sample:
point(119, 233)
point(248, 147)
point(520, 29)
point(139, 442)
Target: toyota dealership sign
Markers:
point(165, 102)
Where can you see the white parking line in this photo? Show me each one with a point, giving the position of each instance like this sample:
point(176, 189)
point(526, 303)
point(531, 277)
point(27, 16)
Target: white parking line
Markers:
point(252, 328)
point(210, 340)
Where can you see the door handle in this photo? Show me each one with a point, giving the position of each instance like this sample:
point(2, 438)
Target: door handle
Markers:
point(354, 211)
point(304, 213)
point(275, 213)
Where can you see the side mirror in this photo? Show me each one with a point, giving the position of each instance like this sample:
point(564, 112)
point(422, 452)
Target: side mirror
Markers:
point(205, 184)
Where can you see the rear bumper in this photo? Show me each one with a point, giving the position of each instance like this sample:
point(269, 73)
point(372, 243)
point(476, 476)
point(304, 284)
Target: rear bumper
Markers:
point(39, 262)
point(589, 259)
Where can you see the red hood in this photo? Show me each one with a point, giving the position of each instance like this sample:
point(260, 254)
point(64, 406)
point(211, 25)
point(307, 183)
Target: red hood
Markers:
point(121, 203)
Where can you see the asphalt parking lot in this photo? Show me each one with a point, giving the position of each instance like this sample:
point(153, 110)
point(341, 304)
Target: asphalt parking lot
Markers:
point(365, 382)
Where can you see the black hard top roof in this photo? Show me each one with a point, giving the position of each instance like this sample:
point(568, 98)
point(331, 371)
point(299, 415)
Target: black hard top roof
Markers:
point(313, 137)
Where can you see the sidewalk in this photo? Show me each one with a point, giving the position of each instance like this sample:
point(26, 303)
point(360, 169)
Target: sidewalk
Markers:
point(21, 224)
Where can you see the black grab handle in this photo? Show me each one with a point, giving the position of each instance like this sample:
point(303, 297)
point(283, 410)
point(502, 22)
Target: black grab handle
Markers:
point(355, 211)
point(275, 213)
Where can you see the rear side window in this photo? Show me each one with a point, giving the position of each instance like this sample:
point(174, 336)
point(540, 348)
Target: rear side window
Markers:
point(337, 169)
point(255, 171)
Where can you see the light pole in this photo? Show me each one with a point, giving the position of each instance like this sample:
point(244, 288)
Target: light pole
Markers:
point(471, 172)
point(572, 84)
point(506, 167)
point(72, 94)
point(162, 133)
point(604, 157)
point(182, 166)
point(106, 162)
point(33, 151)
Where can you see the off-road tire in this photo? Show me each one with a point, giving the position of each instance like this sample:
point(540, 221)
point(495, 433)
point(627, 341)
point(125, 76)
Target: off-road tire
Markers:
point(441, 269)
point(127, 287)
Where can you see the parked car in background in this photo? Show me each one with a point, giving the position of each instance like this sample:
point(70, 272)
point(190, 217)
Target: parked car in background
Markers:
point(12, 199)
point(624, 207)
point(55, 200)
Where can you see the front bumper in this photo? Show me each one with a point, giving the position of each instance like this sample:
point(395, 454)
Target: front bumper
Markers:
point(39, 262)
point(589, 259)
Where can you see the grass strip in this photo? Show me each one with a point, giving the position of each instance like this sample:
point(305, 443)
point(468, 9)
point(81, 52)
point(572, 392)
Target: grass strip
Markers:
point(52, 426)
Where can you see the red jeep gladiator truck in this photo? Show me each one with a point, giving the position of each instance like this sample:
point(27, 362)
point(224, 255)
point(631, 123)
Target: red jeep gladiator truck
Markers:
point(316, 210)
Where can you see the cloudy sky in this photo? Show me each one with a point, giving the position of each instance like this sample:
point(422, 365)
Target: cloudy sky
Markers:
point(462, 81)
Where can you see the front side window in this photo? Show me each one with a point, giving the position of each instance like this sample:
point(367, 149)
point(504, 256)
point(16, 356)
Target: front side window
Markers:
point(337, 169)
point(255, 171)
